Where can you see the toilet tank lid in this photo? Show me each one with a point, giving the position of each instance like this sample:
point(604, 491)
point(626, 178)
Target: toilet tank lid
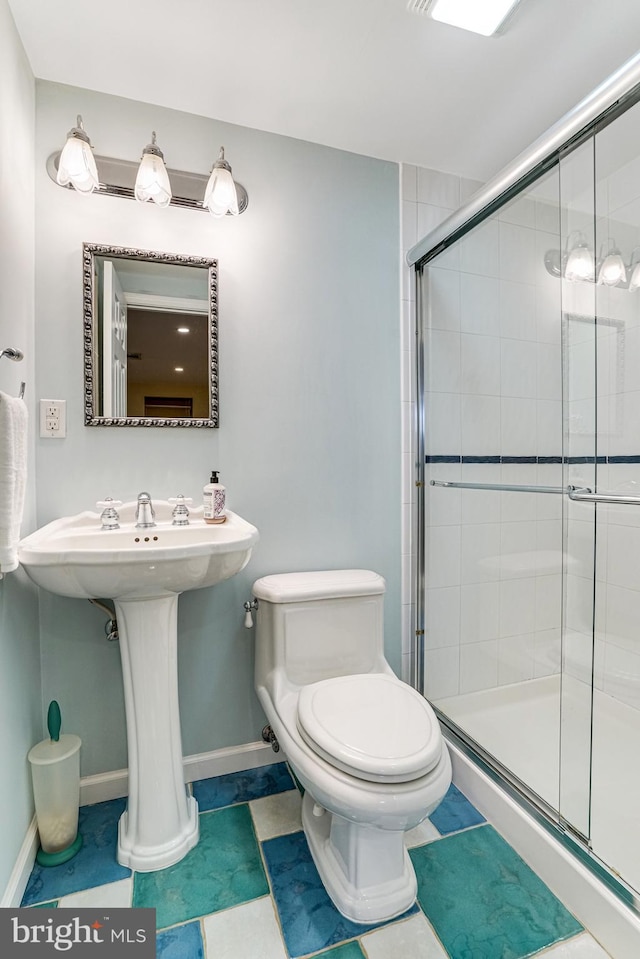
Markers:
point(319, 584)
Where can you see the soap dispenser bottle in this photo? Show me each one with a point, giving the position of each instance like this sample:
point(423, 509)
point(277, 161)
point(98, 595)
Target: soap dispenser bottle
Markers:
point(214, 497)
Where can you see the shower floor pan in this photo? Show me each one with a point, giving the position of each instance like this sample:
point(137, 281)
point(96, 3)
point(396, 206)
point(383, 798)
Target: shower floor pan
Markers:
point(519, 724)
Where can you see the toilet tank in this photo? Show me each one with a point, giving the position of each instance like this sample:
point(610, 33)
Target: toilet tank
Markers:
point(319, 625)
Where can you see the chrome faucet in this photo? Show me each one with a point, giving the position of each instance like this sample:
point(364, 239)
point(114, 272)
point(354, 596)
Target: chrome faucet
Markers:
point(145, 513)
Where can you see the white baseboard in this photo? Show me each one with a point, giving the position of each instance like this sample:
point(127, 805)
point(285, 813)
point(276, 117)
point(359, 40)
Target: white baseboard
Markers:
point(597, 908)
point(114, 785)
point(231, 759)
point(22, 870)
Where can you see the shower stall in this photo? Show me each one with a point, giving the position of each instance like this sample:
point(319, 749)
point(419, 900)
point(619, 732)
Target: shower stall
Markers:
point(528, 605)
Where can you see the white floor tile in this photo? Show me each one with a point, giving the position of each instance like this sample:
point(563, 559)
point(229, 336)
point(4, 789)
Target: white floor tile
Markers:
point(277, 815)
point(413, 937)
point(580, 947)
point(244, 932)
point(114, 895)
point(425, 832)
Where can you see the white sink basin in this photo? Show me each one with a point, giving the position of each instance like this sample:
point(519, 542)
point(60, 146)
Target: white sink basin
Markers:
point(143, 571)
point(74, 557)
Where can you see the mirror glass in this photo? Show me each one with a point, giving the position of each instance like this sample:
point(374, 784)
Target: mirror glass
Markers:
point(150, 338)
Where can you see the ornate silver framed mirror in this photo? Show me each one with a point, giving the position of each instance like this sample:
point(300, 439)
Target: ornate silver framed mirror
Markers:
point(150, 323)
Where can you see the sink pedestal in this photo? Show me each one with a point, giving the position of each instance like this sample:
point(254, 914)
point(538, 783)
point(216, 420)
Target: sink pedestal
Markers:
point(144, 571)
point(160, 824)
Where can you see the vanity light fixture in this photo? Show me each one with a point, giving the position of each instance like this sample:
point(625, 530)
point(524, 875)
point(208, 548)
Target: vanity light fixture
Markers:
point(183, 329)
point(152, 181)
point(220, 196)
point(577, 263)
point(77, 166)
point(179, 369)
point(484, 18)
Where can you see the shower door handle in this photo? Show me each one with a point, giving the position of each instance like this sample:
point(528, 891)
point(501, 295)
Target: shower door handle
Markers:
point(585, 495)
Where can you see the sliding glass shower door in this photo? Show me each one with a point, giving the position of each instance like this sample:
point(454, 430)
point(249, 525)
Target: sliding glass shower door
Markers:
point(531, 391)
point(494, 432)
point(615, 779)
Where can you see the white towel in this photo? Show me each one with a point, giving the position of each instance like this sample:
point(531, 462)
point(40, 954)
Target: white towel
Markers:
point(13, 477)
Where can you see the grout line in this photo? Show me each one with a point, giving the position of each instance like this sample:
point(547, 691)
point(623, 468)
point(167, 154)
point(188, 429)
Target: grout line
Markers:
point(268, 878)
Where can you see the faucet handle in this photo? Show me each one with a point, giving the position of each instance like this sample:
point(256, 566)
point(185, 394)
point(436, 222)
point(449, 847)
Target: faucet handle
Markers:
point(180, 512)
point(109, 517)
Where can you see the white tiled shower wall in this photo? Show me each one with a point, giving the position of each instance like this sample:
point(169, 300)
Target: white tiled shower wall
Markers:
point(427, 198)
point(494, 583)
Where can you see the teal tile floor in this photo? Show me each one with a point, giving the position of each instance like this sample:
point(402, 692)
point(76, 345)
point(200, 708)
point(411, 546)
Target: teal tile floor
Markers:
point(249, 890)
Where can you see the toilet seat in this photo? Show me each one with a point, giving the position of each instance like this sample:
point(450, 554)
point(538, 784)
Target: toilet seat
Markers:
point(372, 726)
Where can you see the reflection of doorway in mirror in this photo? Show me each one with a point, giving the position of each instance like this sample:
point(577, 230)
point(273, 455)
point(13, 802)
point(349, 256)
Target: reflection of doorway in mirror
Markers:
point(167, 363)
point(114, 344)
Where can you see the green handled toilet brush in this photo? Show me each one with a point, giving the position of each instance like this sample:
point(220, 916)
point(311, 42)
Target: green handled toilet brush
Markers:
point(55, 771)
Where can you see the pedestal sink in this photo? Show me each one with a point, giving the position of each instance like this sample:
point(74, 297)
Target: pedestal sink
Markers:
point(144, 571)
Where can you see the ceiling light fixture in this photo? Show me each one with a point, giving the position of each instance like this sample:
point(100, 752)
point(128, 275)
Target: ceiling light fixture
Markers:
point(152, 181)
point(484, 17)
point(77, 167)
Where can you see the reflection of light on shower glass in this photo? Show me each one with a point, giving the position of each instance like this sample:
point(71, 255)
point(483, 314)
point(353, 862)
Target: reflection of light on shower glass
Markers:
point(484, 18)
point(579, 262)
point(612, 271)
point(179, 369)
point(183, 329)
point(634, 282)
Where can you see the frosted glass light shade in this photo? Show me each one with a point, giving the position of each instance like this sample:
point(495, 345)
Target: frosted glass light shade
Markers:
point(634, 282)
point(77, 165)
point(580, 264)
point(152, 181)
point(220, 195)
point(612, 271)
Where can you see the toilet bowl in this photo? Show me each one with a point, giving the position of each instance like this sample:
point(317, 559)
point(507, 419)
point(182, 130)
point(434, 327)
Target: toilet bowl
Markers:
point(366, 747)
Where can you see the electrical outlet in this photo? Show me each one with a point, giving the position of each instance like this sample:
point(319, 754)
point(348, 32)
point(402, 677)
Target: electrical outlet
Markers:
point(53, 419)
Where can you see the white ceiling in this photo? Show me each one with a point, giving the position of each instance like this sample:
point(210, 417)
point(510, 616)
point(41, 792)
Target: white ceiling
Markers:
point(362, 75)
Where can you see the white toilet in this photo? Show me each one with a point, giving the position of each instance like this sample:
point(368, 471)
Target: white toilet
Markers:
point(366, 747)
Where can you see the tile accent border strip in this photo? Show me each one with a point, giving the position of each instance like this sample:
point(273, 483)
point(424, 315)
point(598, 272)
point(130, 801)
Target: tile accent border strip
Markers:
point(530, 460)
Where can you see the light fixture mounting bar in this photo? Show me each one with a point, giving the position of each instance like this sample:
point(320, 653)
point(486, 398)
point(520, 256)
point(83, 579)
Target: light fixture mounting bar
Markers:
point(118, 178)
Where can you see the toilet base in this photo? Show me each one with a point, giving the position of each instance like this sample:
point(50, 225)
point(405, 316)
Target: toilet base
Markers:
point(366, 871)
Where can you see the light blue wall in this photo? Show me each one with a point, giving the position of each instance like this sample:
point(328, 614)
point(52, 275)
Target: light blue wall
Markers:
point(20, 695)
point(309, 441)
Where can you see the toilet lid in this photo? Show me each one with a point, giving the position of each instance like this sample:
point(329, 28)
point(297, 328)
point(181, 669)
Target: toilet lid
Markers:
point(370, 725)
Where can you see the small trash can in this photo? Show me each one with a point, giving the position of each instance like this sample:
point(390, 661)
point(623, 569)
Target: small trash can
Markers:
point(55, 770)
